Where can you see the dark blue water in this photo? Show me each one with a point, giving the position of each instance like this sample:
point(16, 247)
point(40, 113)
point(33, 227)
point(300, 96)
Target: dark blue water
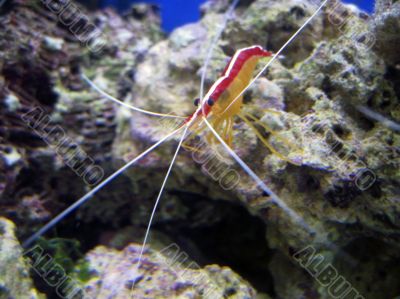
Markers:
point(176, 13)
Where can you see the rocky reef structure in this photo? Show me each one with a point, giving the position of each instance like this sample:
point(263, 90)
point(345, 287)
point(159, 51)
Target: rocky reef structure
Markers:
point(349, 165)
point(161, 276)
point(345, 186)
point(15, 281)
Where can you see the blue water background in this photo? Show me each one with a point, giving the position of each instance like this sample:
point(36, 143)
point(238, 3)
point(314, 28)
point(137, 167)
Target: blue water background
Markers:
point(176, 13)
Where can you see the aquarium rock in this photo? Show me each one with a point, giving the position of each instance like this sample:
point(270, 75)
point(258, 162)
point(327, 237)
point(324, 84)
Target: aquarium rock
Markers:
point(15, 281)
point(343, 182)
point(162, 274)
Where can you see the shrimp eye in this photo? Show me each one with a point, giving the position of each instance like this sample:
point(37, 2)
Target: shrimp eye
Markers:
point(196, 102)
point(210, 102)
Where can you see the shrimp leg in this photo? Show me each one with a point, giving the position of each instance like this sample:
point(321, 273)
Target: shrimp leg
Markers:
point(259, 182)
point(272, 132)
point(264, 141)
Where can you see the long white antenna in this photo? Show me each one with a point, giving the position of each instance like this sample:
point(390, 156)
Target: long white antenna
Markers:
point(119, 102)
point(379, 118)
point(160, 193)
point(275, 197)
point(187, 126)
point(245, 167)
point(204, 71)
point(258, 181)
point(277, 54)
point(88, 195)
point(213, 44)
point(252, 174)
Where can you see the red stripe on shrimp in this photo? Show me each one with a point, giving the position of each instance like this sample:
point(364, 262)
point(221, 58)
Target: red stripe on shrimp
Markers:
point(230, 73)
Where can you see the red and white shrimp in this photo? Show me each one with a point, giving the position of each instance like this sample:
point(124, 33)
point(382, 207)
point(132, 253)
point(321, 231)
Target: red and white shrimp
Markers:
point(216, 110)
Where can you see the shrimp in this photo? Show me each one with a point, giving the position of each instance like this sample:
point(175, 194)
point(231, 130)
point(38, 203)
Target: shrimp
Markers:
point(228, 97)
point(216, 110)
point(220, 106)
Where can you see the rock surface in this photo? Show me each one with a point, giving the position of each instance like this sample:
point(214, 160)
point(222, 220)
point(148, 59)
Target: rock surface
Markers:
point(165, 274)
point(15, 281)
point(344, 184)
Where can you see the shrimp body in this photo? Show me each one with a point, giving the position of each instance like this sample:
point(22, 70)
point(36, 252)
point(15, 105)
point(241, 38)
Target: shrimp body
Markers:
point(235, 77)
point(224, 101)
